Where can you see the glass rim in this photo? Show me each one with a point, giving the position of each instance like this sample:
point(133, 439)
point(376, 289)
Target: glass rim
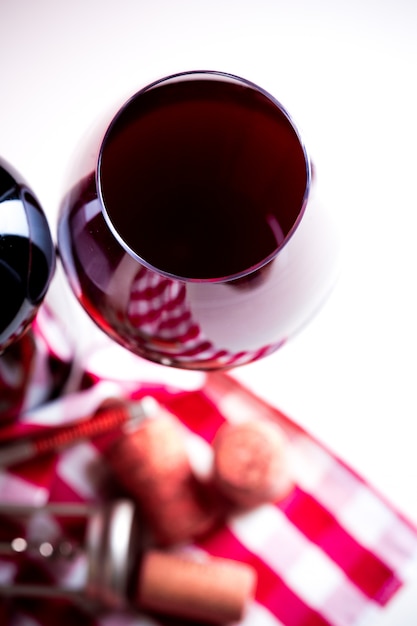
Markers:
point(208, 75)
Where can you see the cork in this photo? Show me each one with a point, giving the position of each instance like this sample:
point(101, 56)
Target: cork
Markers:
point(250, 463)
point(206, 589)
point(152, 465)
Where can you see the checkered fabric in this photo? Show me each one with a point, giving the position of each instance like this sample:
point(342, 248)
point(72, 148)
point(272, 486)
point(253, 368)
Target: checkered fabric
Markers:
point(334, 552)
point(34, 369)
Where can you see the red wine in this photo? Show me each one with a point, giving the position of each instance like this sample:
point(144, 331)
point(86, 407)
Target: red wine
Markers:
point(171, 243)
point(210, 170)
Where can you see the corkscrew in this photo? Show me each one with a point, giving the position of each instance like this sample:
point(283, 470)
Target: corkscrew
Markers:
point(101, 560)
point(110, 568)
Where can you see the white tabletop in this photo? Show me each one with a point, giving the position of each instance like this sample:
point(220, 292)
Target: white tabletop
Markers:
point(346, 71)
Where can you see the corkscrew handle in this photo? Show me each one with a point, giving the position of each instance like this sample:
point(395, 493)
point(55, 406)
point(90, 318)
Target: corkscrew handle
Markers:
point(102, 422)
point(107, 419)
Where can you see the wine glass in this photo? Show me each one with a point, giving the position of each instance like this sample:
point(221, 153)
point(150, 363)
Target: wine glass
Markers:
point(27, 256)
point(190, 232)
point(27, 263)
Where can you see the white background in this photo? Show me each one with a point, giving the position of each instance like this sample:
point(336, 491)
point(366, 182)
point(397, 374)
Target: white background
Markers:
point(347, 72)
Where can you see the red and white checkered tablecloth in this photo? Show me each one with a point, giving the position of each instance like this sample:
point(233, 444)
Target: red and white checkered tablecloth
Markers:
point(334, 552)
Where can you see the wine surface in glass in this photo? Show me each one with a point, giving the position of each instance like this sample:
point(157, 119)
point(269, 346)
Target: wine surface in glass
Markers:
point(211, 175)
point(170, 244)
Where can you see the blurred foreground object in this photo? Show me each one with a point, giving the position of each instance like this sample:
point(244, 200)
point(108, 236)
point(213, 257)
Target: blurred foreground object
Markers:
point(27, 264)
point(27, 255)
